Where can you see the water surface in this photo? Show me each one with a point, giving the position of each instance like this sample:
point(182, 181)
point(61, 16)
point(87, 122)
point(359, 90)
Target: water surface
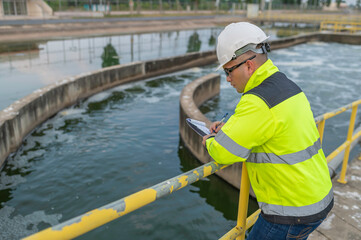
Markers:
point(28, 66)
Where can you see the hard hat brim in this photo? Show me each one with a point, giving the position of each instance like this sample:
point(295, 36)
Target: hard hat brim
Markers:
point(239, 52)
point(219, 67)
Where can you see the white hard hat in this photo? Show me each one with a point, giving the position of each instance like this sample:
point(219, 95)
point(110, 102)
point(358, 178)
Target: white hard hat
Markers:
point(236, 36)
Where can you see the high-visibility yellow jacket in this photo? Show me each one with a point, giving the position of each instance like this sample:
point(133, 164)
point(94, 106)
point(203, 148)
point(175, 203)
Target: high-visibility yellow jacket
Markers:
point(274, 131)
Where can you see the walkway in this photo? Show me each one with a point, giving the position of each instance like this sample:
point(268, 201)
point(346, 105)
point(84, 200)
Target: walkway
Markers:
point(344, 221)
point(17, 22)
point(13, 30)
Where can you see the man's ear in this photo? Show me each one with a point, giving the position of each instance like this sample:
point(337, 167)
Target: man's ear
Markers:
point(251, 67)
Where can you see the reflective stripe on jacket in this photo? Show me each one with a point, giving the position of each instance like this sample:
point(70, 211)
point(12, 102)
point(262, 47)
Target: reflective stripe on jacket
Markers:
point(274, 131)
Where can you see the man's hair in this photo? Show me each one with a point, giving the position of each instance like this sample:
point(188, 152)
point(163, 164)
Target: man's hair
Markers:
point(260, 57)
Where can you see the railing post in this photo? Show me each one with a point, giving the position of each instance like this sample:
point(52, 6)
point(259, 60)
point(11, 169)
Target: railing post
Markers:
point(321, 127)
point(243, 202)
point(347, 150)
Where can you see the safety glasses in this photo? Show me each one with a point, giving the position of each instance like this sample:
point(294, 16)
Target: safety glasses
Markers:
point(229, 70)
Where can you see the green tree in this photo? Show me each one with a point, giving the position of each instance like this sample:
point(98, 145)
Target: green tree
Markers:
point(212, 41)
point(109, 56)
point(314, 3)
point(194, 44)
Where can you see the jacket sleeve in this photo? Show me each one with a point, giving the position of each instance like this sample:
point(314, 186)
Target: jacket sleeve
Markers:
point(251, 125)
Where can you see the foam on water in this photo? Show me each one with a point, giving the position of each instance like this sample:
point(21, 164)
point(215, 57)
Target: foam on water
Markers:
point(99, 97)
point(337, 67)
point(57, 136)
point(71, 112)
point(312, 63)
point(287, 52)
point(152, 99)
point(22, 159)
point(124, 86)
point(59, 119)
point(196, 70)
point(16, 227)
point(293, 75)
point(325, 84)
point(8, 182)
point(152, 95)
point(170, 91)
point(322, 44)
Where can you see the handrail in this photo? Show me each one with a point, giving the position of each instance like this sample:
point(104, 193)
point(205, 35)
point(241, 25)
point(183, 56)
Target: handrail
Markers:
point(338, 26)
point(236, 231)
point(243, 202)
point(243, 223)
point(98, 217)
point(320, 120)
point(95, 218)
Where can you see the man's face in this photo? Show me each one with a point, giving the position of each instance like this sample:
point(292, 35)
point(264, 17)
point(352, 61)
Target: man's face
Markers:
point(240, 75)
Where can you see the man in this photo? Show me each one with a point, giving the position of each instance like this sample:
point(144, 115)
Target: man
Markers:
point(274, 131)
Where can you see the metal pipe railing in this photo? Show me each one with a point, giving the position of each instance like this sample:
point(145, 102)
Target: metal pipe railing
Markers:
point(351, 127)
point(338, 26)
point(236, 231)
point(243, 223)
point(100, 216)
point(320, 120)
point(342, 147)
point(337, 111)
point(243, 202)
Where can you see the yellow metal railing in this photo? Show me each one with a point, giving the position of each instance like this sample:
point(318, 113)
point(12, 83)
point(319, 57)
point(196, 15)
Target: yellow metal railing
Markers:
point(98, 217)
point(243, 223)
point(341, 26)
point(350, 136)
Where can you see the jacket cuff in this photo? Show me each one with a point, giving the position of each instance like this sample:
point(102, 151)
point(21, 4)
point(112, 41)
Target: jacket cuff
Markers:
point(209, 141)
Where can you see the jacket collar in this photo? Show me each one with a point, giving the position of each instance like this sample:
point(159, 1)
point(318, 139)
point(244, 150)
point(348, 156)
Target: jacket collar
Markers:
point(262, 73)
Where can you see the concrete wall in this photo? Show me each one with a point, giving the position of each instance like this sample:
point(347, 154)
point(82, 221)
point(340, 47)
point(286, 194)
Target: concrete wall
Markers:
point(345, 38)
point(21, 117)
point(354, 39)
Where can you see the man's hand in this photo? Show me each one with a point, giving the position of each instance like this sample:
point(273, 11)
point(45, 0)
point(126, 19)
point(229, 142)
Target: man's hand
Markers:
point(206, 137)
point(216, 126)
